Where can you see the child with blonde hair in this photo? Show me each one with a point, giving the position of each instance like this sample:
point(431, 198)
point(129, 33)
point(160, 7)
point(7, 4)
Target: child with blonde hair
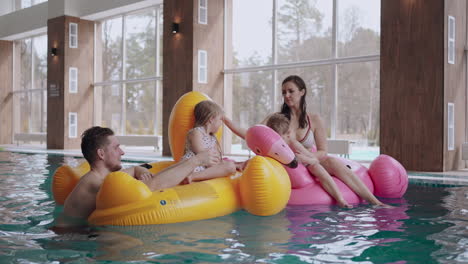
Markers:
point(208, 119)
point(280, 124)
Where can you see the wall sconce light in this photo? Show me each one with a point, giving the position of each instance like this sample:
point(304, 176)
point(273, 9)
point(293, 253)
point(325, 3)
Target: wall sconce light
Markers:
point(175, 28)
point(53, 52)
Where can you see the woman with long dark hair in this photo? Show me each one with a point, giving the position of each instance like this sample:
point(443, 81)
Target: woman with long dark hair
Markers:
point(308, 138)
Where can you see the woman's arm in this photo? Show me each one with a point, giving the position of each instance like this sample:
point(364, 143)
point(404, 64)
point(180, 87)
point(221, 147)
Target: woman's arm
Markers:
point(239, 131)
point(320, 136)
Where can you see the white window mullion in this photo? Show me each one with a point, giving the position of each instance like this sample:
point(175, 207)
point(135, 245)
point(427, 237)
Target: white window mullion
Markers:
point(123, 118)
point(275, 55)
point(42, 113)
point(15, 105)
point(32, 87)
point(156, 103)
point(95, 101)
point(334, 108)
point(156, 83)
point(157, 44)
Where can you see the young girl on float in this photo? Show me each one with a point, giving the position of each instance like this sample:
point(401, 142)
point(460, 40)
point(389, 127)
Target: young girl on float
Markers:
point(208, 119)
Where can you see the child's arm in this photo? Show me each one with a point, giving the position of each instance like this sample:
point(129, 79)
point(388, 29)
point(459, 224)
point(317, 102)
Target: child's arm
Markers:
point(195, 138)
point(239, 131)
point(240, 165)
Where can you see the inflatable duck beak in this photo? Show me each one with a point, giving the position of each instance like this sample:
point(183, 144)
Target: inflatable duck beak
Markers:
point(293, 164)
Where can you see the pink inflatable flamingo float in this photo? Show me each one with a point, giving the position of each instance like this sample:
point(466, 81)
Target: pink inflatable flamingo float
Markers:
point(385, 177)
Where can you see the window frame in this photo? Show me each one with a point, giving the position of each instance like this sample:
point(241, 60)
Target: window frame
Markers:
point(18, 90)
point(157, 79)
point(334, 61)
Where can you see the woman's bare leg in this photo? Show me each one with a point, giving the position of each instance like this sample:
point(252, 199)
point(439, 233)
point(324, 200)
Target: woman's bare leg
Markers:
point(328, 184)
point(339, 170)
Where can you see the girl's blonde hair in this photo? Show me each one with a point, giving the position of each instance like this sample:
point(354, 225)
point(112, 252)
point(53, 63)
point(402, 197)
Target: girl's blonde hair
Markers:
point(205, 110)
point(279, 123)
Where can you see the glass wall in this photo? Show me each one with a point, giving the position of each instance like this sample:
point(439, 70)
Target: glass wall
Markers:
point(9, 6)
point(30, 93)
point(332, 44)
point(128, 73)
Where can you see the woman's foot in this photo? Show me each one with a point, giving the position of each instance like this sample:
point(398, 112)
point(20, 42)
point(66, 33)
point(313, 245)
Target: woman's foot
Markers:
point(382, 205)
point(344, 204)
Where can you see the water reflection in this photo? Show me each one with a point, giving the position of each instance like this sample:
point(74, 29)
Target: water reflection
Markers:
point(331, 234)
point(454, 239)
point(428, 226)
point(239, 237)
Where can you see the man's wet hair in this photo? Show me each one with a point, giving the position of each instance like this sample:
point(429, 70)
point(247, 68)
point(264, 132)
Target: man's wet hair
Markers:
point(93, 139)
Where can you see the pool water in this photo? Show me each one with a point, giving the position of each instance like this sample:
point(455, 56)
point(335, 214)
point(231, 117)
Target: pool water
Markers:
point(428, 225)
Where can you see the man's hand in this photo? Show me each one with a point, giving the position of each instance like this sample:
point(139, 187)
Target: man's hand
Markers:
point(207, 158)
point(144, 176)
point(187, 180)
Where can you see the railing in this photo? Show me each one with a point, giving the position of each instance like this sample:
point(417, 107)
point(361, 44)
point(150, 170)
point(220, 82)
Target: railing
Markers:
point(30, 137)
point(335, 146)
point(464, 151)
point(341, 147)
point(137, 140)
point(154, 141)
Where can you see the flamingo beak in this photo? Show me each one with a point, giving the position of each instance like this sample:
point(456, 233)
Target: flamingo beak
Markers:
point(293, 163)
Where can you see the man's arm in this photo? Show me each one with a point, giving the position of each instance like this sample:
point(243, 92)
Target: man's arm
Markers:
point(176, 173)
point(139, 172)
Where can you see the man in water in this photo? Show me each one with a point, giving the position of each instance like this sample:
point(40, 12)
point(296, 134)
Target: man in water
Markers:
point(102, 150)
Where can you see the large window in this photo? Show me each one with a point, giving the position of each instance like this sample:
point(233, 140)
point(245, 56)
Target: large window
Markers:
point(8, 6)
point(333, 45)
point(128, 73)
point(30, 100)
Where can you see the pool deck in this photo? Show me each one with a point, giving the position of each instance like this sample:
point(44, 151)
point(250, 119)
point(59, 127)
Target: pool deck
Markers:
point(149, 154)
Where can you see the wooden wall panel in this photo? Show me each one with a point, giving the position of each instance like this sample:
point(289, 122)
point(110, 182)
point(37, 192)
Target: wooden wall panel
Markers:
point(6, 88)
point(178, 58)
point(412, 83)
point(81, 58)
point(210, 37)
point(180, 51)
point(59, 105)
point(455, 83)
point(55, 77)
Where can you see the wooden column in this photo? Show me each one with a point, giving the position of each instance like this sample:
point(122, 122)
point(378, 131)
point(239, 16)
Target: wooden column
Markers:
point(180, 52)
point(60, 102)
point(416, 82)
point(455, 83)
point(6, 89)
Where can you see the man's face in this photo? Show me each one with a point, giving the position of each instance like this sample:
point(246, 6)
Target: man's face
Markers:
point(112, 154)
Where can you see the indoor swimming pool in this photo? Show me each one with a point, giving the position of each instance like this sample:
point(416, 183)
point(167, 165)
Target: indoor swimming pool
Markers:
point(428, 225)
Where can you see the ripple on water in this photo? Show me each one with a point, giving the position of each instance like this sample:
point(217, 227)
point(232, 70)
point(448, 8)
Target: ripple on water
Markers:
point(428, 225)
